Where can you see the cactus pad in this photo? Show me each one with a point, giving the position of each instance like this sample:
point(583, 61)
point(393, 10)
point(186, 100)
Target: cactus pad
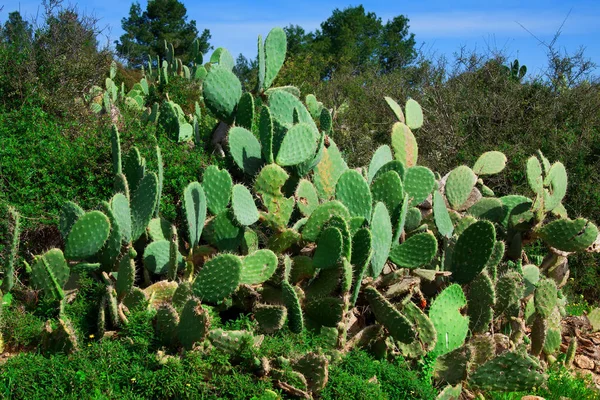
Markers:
point(292, 303)
point(87, 235)
point(414, 114)
point(509, 372)
point(328, 171)
point(404, 144)
point(320, 216)
point(451, 326)
point(193, 325)
point(156, 257)
point(217, 186)
point(275, 49)
point(459, 185)
point(258, 267)
point(306, 197)
point(545, 297)
point(223, 232)
point(327, 311)
point(472, 251)
point(270, 318)
point(416, 251)
point(396, 109)
point(299, 145)
point(481, 300)
point(418, 183)
point(194, 201)
point(556, 183)
point(222, 91)
point(381, 230)
point(441, 216)
point(143, 203)
point(69, 213)
point(244, 208)
point(388, 188)
point(382, 156)
point(353, 191)
point(569, 235)
point(397, 324)
point(245, 150)
point(122, 214)
point(219, 278)
point(315, 368)
point(50, 273)
point(329, 248)
point(489, 163)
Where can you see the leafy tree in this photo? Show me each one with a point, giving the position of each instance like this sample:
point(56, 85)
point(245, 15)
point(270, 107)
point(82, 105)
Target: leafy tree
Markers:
point(16, 31)
point(146, 32)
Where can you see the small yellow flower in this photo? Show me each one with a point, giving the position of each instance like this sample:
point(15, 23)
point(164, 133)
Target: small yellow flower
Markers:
point(89, 345)
point(187, 384)
point(133, 379)
point(92, 336)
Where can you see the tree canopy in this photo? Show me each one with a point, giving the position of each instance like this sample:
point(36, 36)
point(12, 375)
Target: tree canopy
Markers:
point(146, 32)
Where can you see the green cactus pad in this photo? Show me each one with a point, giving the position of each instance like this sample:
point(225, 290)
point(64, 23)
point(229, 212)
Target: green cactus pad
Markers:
point(109, 253)
point(388, 188)
point(87, 236)
point(245, 150)
point(275, 49)
point(490, 209)
point(270, 318)
point(450, 393)
point(569, 235)
point(122, 213)
point(489, 163)
point(452, 367)
point(382, 156)
point(219, 278)
point(328, 171)
point(451, 326)
point(426, 334)
point(326, 311)
point(222, 91)
point(193, 324)
point(534, 174)
point(125, 278)
point(515, 206)
point(459, 185)
point(182, 294)
point(320, 216)
point(143, 203)
point(121, 185)
point(325, 120)
point(594, 318)
point(258, 267)
point(249, 242)
point(441, 216)
point(287, 109)
point(472, 251)
point(244, 208)
point(556, 183)
point(531, 276)
point(281, 241)
point(413, 219)
point(340, 223)
point(414, 114)
point(50, 273)
point(329, 248)
point(306, 197)
point(404, 144)
point(159, 229)
point(245, 111)
point(194, 201)
point(416, 251)
point(222, 57)
point(393, 165)
point(362, 251)
point(418, 183)
point(231, 342)
point(495, 259)
point(69, 213)
point(386, 314)
point(265, 130)
point(325, 283)
point(545, 297)
point(134, 168)
point(509, 372)
point(136, 300)
point(353, 191)
point(381, 230)
point(396, 109)
point(156, 257)
point(268, 186)
point(299, 145)
point(223, 232)
point(509, 291)
point(292, 303)
point(217, 186)
point(481, 300)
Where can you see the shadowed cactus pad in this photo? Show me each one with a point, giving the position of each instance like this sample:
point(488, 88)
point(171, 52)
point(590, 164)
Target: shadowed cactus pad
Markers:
point(397, 324)
point(270, 318)
point(193, 325)
point(569, 235)
point(50, 273)
point(87, 235)
point(472, 251)
point(382, 156)
point(219, 278)
point(217, 186)
point(69, 213)
point(157, 255)
point(329, 248)
point(245, 150)
point(508, 372)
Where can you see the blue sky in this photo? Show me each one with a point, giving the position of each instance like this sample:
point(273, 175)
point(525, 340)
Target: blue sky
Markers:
point(441, 27)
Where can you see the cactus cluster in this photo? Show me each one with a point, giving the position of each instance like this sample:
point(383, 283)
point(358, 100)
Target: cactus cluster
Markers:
point(391, 257)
